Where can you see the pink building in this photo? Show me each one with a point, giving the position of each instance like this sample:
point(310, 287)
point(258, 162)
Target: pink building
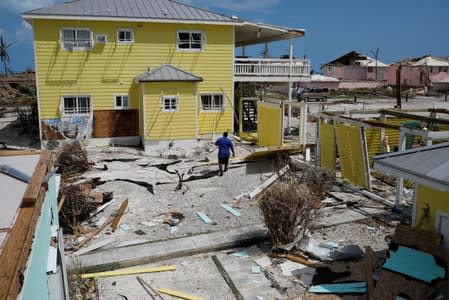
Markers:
point(428, 71)
point(354, 66)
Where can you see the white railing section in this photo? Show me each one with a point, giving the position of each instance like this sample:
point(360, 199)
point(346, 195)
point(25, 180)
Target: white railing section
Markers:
point(267, 67)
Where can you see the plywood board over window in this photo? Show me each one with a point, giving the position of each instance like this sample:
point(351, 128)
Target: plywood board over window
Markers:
point(115, 123)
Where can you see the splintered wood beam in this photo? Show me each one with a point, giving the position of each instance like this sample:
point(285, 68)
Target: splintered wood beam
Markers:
point(34, 186)
point(414, 117)
point(4, 153)
point(118, 217)
point(94, 233)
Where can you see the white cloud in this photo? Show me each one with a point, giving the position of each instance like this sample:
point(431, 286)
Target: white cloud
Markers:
point(24, 33)
point(19, 6)
point(240, 5)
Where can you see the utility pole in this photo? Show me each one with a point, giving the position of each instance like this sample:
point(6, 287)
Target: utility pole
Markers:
point(376, 55)
point(398, 87)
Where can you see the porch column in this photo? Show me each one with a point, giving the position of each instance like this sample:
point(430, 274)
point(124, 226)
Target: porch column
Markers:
point(400, 180)
point(290, 54)
point(266, 54)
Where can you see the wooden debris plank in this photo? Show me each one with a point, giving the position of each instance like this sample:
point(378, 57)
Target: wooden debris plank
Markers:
point(178, 294)
point(61, 203)
point(369, 271)
point(34, 186)
point(203, 217)
point(266, 184)
point(296, 259)
point(118, 217)
point(340, 288)
point(17, 247)
point(18, 152)
point(93, 234)
point(128, 272)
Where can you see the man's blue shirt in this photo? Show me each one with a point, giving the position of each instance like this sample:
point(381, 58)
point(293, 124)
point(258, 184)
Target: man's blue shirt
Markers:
point(224, 145)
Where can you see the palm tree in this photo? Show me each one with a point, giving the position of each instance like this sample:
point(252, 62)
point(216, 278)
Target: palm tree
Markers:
point(4, 56)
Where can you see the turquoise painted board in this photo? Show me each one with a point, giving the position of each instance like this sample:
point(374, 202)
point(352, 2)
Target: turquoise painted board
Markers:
point(340, 288)
point(35, 285)
point(204, 217)
point(414, 263)
point(231, 210)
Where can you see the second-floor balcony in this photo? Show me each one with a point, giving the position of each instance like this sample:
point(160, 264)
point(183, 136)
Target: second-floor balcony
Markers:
point(270, 69)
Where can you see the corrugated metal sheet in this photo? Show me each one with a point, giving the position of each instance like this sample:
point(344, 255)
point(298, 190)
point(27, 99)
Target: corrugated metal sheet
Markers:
point(328, 151)
point(167, 73)
point(148, 9)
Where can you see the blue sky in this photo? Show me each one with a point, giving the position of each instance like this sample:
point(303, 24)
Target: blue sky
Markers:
point(399, 28)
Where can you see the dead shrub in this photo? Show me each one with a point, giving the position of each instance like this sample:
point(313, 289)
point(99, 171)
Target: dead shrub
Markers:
point(72, 158)
point(76, 208)
point(318, 180)
point(82, 288)
point(288, 208)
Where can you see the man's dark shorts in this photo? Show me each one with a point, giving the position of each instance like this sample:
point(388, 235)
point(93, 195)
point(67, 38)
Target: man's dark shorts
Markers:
point(223, 160)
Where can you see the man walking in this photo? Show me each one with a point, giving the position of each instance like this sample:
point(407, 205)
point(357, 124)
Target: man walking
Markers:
point(224, 145)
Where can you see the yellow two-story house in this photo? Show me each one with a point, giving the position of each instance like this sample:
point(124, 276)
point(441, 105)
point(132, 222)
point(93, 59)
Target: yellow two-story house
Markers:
point(146, 71)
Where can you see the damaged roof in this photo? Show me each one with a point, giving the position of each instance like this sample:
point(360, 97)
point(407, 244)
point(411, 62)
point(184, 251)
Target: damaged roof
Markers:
point(425, 165)
point(167, 73)
point(426, 60)
point(354, 58)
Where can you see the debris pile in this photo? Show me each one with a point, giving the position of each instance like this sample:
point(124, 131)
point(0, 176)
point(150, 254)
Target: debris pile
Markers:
point(72, 158)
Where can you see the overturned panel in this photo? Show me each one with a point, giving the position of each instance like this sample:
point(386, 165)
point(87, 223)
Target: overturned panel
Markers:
point(115, 123)
point(351, 153)
point(328, 151)
point(270, 124)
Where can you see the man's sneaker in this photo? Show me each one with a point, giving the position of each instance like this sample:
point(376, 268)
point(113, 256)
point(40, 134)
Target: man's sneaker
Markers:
point(220, 173)
point(225, 169)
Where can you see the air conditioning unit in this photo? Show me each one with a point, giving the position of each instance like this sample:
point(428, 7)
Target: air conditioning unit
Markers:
point(101, 38)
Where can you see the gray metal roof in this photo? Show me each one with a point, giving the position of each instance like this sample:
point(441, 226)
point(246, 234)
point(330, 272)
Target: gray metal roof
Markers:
point(426, 165)
point(167, 73)
point(132, 9)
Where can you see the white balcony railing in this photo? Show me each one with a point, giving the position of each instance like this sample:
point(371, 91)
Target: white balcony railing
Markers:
point(270, 67)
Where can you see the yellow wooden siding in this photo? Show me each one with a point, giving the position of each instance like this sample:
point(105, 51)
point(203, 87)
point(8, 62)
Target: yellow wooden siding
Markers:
point(350, 151)
point(269, 125)
point(170, 125)
point(327, 146)
point(110, 68)
point(437, 200)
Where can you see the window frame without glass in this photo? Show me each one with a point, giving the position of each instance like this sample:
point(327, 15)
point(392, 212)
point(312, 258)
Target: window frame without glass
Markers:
point(77, 108)
point(125, 41)
point(170, 109)
point(212, 107)
point(121, 106)
point(190, 42)
point(76, 40)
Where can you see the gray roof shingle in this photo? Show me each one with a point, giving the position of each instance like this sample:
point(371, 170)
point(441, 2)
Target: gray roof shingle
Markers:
point(138, 9)
point(167, 73)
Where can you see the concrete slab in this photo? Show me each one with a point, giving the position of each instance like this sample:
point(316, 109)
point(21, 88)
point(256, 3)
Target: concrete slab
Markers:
point(250, 285)
point(332, 216)
point(173, 248)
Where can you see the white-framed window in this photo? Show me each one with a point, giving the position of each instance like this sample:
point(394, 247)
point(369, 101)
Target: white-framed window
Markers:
point(76, 38)
point(212, 102)
point(190, 40)
point(125, 36)
point(80, 104)
point(170, 104)
point(121, 101)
